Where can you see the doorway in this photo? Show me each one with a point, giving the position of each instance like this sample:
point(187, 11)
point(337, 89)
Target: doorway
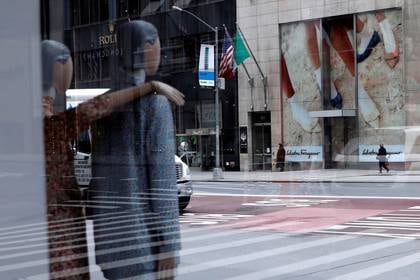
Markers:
point(340, 142)
point(207, 150)
point(261, 135)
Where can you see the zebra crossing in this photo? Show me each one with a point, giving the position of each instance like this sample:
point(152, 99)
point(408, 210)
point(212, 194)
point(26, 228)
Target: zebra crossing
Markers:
point(228, 253)
point(207, 219)
point(404, 223)
point(291, 256)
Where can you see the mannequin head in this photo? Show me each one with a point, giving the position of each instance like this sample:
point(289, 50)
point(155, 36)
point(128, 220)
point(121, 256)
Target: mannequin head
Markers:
point(57, 71)
point(140, 42)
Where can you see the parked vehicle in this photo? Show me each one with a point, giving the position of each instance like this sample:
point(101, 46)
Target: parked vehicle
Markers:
point(82, 153)
point(83, 171)
point(183, 179)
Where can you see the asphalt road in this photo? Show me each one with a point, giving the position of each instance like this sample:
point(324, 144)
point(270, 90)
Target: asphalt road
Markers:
point(301, 231)
point(322, 189)
point(244, 231)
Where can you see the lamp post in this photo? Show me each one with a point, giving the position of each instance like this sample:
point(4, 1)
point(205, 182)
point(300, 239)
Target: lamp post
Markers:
point(217, 171)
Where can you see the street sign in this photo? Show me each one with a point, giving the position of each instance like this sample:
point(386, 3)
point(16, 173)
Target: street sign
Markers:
point(206, 67)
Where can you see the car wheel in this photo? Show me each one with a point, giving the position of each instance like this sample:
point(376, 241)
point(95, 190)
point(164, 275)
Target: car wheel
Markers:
point(183, 202)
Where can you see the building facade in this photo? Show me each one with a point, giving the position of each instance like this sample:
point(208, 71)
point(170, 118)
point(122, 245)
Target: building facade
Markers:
point(88, 28)
point(341, 80)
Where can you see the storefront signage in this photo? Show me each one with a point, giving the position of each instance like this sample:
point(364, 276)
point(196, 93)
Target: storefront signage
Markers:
point(206, 66)
point(200, 131)
point(368, 153)
point(303, 153)
point(108, 39)
point(96, 47)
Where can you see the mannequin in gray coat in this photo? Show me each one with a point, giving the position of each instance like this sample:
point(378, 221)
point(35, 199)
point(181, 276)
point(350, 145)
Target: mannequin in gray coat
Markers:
point(133, 190)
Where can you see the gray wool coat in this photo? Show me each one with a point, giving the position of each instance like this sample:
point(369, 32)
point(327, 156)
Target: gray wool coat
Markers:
point(133, 193)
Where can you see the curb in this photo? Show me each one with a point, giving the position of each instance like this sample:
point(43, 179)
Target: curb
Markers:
point(300, 181)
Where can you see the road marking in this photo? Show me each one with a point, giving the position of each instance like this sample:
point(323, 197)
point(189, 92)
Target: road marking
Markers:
point(98, 233)
point(90, 239)
point(223, 262)
point(315, 262)
point(398, 224)
point(385, 235)
point(307, 196)
point(288, 203)
point(232, 244)
point(380, 269)
point(206, 219)
point(125, 262)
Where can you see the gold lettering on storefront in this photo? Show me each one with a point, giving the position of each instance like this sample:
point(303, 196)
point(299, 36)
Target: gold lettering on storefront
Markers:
point(105, 40)
point(110, 39)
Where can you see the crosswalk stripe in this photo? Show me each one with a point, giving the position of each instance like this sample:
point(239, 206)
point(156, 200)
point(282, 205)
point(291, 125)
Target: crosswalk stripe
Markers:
point(184, 241)
point(315, 262)
point(232, 244)
point(202, 249)
point(43, 225)
point(385, 224)
point(44, 237)
point(127, 262)
point(398, 224)
point(97, 234)
point(213, 235)
point(365, 226)
point(128, 218)
point(109, 225)
point(373, 234)
point(249, 257)
point(380, 268)
point(261, 254)
point(401, 215)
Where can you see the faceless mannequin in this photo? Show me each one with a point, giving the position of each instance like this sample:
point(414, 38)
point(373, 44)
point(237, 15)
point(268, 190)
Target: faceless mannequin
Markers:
point(56, 74)
point(141, 58)
point(63, 72)
point(59, 129)
point(141, 45)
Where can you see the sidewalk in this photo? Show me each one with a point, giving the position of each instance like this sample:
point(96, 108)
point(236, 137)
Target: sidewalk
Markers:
point(322, 175)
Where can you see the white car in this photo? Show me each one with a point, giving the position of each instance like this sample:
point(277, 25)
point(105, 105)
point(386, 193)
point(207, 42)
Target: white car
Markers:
point(83, 172)
point(184, 184)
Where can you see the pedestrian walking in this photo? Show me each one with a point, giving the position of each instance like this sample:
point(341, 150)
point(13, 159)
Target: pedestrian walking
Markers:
point(280, 158)
point(383, 160)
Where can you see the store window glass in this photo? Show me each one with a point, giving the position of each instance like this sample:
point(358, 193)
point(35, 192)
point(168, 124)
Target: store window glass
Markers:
point(347, 69)
point(380, 78)
point(301, 85)
point(118, 162)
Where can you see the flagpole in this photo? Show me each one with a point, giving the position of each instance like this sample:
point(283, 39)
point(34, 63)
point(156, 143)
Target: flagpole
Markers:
point(217, 172)
point(263, 77)
point(251, 84)
point(250, 79)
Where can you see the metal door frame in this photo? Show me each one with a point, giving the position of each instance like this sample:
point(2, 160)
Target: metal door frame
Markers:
point(264, 155)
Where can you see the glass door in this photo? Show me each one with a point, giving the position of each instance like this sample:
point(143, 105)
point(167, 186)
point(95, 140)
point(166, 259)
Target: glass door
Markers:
point(262, 146)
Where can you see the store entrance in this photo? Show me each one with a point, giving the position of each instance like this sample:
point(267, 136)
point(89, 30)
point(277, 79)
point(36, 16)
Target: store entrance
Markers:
point(207, 148)
point(197, 151)
point(261, 135)
point(340, 142)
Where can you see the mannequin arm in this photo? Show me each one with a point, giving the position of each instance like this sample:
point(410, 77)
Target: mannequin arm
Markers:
point(80, 118)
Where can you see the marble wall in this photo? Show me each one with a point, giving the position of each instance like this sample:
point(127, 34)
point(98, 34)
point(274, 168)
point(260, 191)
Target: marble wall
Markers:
point(259, 21)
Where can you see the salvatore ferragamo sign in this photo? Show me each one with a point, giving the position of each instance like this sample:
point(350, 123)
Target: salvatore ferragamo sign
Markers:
point(303, 153)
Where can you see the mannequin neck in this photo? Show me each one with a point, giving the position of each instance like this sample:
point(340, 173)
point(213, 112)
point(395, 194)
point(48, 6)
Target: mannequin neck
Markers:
point(50, 92)
point(139, 77)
